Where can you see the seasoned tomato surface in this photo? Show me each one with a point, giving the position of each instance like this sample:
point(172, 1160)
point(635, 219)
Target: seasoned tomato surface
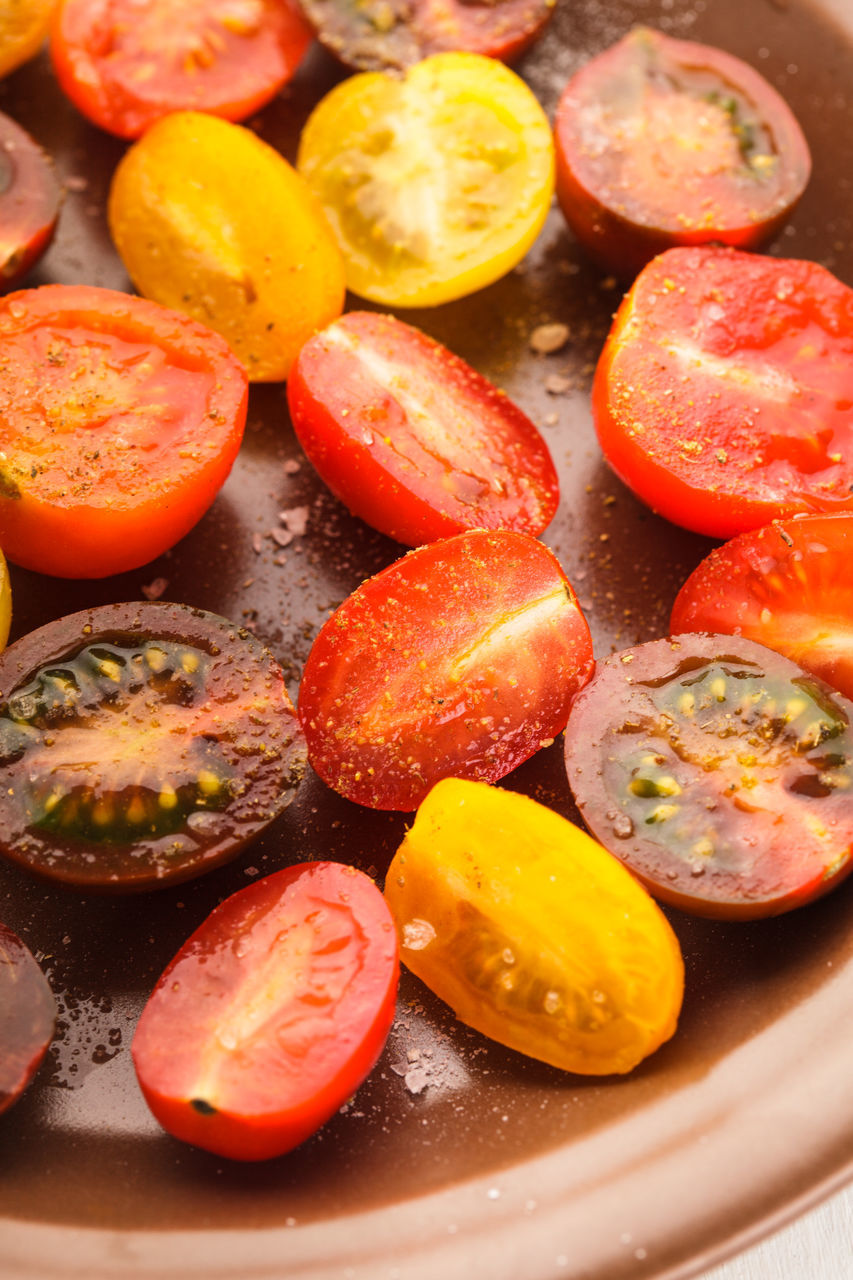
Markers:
point(141, 744)
point(126, 65)
point(532, 932)
point(787, 585)
point(461, 660)
point(272, 1013)
point(413, 439)
point(119, 423)
point(718, 771)
point(723, 394)
point(664, 142)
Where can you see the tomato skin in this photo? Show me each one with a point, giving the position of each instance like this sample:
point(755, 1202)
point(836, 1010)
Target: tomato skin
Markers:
point(27, 1016)
point(722, 394)
point(529, 929)
point(272, 1013)
point(412, 439)
point(125, 66)
point(460, 659)
point(786, 585)
point(664, 142)
point(718, 771)
point(393, 37)
point(142, 744)
point(194, 208)
point(436, 183)
point(30, 199)
point(23, 29)
point(176, 397)
point(5, 602)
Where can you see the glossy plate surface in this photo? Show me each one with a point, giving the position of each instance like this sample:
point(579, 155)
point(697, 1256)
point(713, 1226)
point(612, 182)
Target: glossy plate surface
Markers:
point(456, 1156)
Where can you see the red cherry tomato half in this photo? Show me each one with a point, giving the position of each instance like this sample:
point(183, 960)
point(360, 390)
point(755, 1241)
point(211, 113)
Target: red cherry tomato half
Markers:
point(787, 585)
point(723, 394)
point(27, 1016)
point(663, 142)
point(460, 660)
point(272, 1014)
point(30, 198)
point(412, 439)
point(125, 65)
point(718, 771)
point(141, 744)
point(119, 423)
point(392, 35)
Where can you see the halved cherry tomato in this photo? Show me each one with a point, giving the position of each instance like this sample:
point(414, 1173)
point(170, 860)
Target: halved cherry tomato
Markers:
point(718, 771)
point(664, 142)
point(460, 660)
point(787, 585)
point(435, 183)
point(272, 1013)
point(534, 934)
point(141, 745)
point(30, 197)
point(391, 35)
point(723, 394)
point(210, 220)
point(119, 423)
point(125, 65)
point(27, 1016)
point(23, 30)
point(414, 440)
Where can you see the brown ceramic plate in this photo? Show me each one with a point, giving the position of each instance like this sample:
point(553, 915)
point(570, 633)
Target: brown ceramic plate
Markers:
point(456, 1156)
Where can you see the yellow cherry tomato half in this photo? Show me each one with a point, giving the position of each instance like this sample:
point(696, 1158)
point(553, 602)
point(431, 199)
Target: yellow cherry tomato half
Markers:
point(5, 602)
point(211, 221)
point(23, 30)
point(532, 932)
point(436, 183)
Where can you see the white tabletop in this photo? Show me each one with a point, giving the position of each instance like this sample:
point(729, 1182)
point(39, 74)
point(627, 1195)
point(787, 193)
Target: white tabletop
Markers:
point(818, 1246)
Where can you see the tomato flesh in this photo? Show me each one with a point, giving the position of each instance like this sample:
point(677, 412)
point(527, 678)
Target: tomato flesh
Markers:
point(414, 440)
point(723, 394)
point(532, 932)
point(119, 423)
point(27, 1016)
point(30, 199)
point(142, 744)
point(461, 660)
point(786, 585)
point(718, 771)
point(435, 183)
point(126, 65)
point(664, 142)
point(381, 36)
point(23, 27)
point(272, 1014)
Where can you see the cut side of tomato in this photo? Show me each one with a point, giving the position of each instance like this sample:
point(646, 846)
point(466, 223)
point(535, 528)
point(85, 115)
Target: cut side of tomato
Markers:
point(435, 183)
point(412, 439)
point(392, 35)
point(30, 199)
point(664, 142)
point(786, 585)
point(125, 65)
point(723, 394)
point(119, 423)
point(272, 1014)
point(194, 210)
point(142, 744)
point(534, 934)
point(27, 1016)
point(460, 660)
point(718, 771)
point(23, 29)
